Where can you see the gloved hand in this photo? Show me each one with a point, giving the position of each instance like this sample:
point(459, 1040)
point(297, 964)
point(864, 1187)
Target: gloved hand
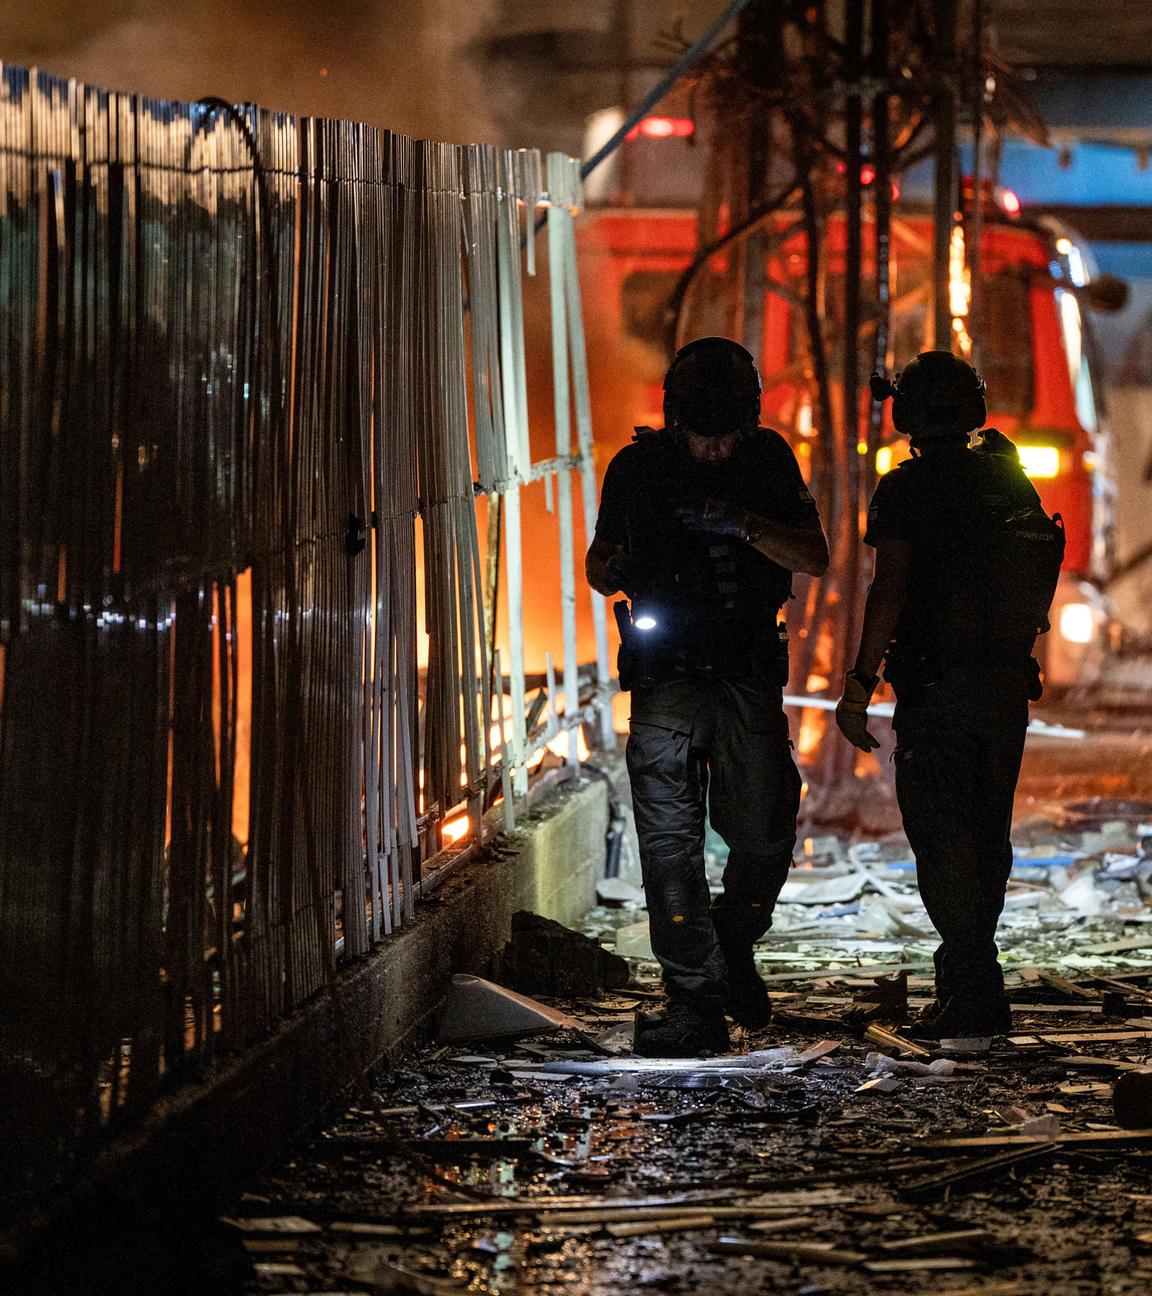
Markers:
point(852, 713)
point(630, 574)
point(715, 517)
point(994, 442)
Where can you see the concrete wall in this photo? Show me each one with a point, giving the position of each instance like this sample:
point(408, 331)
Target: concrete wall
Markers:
point(207, 1139)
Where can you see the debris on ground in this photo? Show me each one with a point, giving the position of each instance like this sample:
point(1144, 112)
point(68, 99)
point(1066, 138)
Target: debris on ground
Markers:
point(546, 958)
point(476, 1009)
point(829, 1153)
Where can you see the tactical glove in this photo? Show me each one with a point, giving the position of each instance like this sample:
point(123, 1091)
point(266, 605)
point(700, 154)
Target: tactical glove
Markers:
point(852, 712)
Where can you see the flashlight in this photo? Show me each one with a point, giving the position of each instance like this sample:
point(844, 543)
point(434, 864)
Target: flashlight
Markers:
point(644, 616)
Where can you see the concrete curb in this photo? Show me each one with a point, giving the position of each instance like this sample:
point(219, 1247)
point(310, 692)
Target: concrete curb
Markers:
point(198, 1144)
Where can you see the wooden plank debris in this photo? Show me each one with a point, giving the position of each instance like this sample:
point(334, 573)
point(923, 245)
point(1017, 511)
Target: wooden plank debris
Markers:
point(880, 1084)
point(594, 1209)
point(608, 1215)
point(890, 1042)
point(818, 1051)
point(982, 1170)
point(275, 1245)
point(791, 1252)
point(1062, 983)
point(1078, 1037)
point(1090, 1063)
point(919, 1264)
point(271, 1224)
point(358, 1228)
point(786, 1225)
point(936, 1242)
point(1089, 1138)
point(681, 1224)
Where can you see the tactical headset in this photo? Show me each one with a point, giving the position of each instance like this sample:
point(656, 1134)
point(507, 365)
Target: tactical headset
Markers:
point(935, 394)
point(713, 386)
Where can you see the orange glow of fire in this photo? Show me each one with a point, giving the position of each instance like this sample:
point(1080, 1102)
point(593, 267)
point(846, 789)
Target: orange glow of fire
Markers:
point(454, 830)
point(812, 724)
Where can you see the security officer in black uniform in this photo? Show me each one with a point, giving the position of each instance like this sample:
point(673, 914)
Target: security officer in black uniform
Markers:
point(701, 525)
point(966, 564)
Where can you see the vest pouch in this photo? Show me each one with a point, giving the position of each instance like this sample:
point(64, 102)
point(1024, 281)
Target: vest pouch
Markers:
point(626, 657)
point(996, 580)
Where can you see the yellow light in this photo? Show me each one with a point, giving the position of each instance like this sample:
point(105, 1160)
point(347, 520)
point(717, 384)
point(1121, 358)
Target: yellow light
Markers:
point(1063, 246)
point(1077, 624)
point(861, 447)
point(804, 419)
point(959, 280)
point(454, 830)
point(883, 460)
point(1040, 461)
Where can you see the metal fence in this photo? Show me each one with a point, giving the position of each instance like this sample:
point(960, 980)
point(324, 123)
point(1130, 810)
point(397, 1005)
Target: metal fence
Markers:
point(255, 372)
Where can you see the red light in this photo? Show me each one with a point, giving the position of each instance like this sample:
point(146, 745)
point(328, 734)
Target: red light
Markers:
point(867, 174)
point(663, 128)
point(1010, 201)
point(895, 191)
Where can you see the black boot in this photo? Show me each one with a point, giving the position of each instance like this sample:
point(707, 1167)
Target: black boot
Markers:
point(925, 1019)
point(682, 1030)
point(966, 1018)
point(747, 1003)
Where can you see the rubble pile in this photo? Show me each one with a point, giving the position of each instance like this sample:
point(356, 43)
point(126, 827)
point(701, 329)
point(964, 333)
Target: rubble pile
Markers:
point(828, 1153)
point(1078, 900)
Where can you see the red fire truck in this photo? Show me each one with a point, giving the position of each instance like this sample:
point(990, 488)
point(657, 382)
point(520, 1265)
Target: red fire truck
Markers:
point(1037, 356)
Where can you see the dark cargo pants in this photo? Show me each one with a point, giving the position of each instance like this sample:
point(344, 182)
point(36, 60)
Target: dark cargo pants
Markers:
point(718, 744)
point(958, 753)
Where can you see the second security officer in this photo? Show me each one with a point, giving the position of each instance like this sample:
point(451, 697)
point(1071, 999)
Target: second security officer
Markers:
point(966, 565)
point(701, 525)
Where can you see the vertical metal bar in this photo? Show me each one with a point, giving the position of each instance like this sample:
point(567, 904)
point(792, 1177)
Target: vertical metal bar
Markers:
point(585, 454)
point(552, 724)
point(557, 214)
point(842, 754)
point(505, 772)
point(882, 197)
point(944, 201)
point(976, 227)
point(515, 600)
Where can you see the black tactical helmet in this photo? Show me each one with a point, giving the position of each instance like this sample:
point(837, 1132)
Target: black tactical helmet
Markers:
point(713, 388)
point(937, 390)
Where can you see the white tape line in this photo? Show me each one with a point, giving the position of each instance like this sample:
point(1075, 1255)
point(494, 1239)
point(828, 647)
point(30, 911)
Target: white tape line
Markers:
point(1038, 728)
